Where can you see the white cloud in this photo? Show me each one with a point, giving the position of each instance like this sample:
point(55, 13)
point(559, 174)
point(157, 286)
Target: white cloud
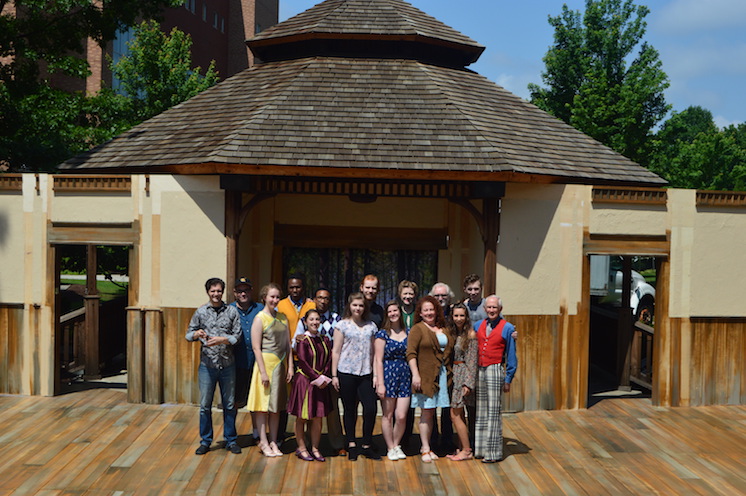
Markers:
point(687, 16)
point(722, 122)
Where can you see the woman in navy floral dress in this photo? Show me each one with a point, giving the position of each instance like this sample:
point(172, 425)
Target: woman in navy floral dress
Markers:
point(393, 378)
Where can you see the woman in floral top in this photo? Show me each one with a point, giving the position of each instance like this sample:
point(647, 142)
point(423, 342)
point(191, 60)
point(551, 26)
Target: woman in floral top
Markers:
point(352, 373)
point(464, 378)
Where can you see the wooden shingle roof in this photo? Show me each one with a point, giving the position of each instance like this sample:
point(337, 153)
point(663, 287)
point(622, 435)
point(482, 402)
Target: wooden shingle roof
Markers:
point(335, 25)
point(341, 116)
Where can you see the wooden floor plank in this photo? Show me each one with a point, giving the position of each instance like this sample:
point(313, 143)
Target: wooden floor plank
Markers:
point(93, 442)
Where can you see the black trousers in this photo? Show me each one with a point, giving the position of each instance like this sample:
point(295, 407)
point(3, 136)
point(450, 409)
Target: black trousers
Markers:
point(354, 389)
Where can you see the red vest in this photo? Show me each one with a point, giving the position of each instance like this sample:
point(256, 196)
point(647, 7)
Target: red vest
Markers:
point(492, 347)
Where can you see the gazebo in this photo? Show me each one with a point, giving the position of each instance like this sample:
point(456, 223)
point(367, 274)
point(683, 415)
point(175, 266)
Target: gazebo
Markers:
point(363, 129)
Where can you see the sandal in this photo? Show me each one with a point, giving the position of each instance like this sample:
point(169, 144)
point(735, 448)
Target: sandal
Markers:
point(266, 450)
point(463, 455)
point(275, 449)
point(453, 455)
point(428, 456)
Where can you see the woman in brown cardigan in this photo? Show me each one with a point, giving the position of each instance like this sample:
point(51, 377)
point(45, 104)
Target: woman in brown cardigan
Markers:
point(429, 348)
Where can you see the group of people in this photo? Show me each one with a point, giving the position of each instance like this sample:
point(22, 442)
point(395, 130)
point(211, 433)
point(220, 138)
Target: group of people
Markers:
point(293, 355)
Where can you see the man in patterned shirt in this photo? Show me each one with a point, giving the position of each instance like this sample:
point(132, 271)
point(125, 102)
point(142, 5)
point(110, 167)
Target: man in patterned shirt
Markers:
point(217, 326)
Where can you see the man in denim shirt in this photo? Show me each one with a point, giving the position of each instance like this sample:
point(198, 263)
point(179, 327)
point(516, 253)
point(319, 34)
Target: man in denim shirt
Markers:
point(247, 310)
point(217, 326)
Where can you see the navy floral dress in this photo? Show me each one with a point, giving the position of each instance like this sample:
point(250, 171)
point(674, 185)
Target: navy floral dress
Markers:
point(397, 378)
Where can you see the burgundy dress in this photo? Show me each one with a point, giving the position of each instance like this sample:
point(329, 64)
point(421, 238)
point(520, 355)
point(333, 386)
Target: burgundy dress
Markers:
point(314, 359)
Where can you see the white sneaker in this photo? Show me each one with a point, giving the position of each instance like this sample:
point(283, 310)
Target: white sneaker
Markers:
point(399, 453)
point(392, 454)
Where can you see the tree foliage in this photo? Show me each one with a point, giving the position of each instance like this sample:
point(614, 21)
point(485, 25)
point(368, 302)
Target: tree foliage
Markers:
point(689, 151)
point(55, 33)
point(595, 80)
point(157, 73)
point(41, 126)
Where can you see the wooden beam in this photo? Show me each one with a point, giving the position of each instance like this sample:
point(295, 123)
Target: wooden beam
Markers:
point(101, 234)
point(232, 232)
point(92, 302)
point(153, 356)
point(624, 329)
point(612, 244)
point(363, 173)
point(135, 356)
point(491, 219)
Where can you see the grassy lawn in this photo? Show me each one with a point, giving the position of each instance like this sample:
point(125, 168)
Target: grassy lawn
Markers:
point(107, 289)
point(649, 275)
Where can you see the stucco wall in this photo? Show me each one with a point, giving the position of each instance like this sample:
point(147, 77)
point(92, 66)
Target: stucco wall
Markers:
point(12, 214)
point(93, 207)
point(539, 255)
point(189, 215)
point(609, 218)
point(708, 258)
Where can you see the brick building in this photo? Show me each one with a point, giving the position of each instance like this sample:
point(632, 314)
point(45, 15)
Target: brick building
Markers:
point(219, 29)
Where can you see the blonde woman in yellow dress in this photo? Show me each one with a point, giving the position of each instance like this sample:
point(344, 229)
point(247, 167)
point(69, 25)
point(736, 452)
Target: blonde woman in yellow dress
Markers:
point(272, 370)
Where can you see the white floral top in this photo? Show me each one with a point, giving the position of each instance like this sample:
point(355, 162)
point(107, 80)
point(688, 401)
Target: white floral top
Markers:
point(356, 356)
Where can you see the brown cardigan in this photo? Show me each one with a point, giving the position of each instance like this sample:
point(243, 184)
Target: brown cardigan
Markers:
point(422, 344)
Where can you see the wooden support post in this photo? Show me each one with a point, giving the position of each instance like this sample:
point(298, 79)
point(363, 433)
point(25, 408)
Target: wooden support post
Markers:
point(624, 334)
point(491, 218)
point(92, 303)
point(135, 356)
point(153, 356)
point(232, 230)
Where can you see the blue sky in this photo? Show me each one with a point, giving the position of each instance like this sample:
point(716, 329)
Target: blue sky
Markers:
point(702, 44)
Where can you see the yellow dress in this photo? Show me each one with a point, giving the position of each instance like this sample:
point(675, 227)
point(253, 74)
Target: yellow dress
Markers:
point(272, 398)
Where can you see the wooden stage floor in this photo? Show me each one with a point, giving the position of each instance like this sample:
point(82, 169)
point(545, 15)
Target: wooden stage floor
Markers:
point(93, 442)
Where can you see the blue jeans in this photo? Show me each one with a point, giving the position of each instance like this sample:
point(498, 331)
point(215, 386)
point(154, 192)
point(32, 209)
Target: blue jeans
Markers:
point(208, 379)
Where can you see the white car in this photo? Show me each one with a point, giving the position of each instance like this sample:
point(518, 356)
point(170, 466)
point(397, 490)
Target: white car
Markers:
point(606, 281)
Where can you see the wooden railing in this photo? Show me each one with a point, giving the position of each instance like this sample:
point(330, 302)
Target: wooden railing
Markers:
point(72, 329)
point(641, 363)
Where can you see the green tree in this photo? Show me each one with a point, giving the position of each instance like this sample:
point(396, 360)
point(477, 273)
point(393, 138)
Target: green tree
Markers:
point(593, 81)
point(689, 151)
point(157, 73)
point(41, 126)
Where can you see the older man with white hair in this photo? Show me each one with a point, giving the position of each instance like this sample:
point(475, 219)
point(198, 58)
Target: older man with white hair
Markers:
point(497, 366)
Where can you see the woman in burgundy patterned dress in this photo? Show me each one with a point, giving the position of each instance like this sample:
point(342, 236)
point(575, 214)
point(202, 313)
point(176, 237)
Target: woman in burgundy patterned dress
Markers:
point(310, 400)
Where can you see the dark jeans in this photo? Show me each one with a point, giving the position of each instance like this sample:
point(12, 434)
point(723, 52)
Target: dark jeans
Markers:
point(243, 379)
point(209, 378)
point(354, 389)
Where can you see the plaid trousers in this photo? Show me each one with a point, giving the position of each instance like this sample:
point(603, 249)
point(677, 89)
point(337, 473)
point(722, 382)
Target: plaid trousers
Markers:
point(489, 424)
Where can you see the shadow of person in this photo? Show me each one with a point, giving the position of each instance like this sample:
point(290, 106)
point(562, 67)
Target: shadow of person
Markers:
point(514, 447)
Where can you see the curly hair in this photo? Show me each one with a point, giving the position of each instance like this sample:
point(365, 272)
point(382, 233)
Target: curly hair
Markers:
point(440, 320)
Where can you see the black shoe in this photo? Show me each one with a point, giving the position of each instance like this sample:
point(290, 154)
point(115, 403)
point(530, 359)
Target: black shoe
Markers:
point(203, 448)
point(370, 453)
point(352, 453)
point(234, 448)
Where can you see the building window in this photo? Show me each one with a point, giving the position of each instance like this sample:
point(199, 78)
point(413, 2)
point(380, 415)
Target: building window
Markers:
point(204, 11)
point(222, 24)
point(215, 20)
point(191, 6)
point(120, 48)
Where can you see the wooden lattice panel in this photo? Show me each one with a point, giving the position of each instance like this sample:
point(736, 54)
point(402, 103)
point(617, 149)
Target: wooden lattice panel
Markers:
point(92, 183)
point(721, 198)
point(639, 196)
